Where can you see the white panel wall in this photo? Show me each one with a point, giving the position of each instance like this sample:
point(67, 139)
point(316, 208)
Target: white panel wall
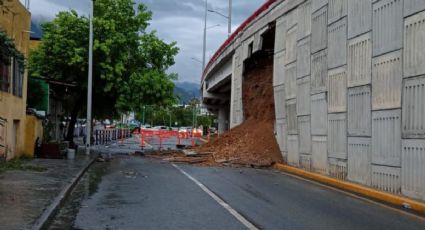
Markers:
point(291, 114)
point(319, 71)
point(317, 4)
point(337, 9)
point(291, 45)
point(293, 153)
point(386, 137)
point(337, 135)
point(386, 179)
point(303, 57)
point(338, 168)
point(337, 90)
point(359, 60)
point(304, 20)
point(303, 96)
point(281, 135)
point(279, 68)
point(359, 160)
point(413, 6)
point(319, 114)
point(388, 24)
point(359, 111)
point(414, 47)
point(304, 134)
point(319, 154)
point(413, 168)
point(291, 80)
point(386, 81)
point(337, 43)
point(414, 107)
point(279, 42)
point(305, 161)
point(279, 101)
point(359, 16)
point(319, 30)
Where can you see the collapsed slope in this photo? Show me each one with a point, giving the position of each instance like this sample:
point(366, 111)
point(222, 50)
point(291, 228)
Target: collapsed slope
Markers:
point(253, 142)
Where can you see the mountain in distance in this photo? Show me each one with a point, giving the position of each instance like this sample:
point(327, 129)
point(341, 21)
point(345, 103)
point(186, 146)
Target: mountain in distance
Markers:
point(186, 91)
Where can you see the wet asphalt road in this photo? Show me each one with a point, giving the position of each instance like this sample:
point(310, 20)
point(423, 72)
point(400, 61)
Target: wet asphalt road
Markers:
point(136, 193)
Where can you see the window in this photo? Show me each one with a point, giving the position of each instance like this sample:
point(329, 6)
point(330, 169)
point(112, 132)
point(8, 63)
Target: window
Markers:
point(4, 77)
point(17, 79)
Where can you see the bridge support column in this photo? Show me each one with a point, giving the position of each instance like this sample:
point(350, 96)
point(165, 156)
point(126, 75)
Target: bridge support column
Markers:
point(223, 120)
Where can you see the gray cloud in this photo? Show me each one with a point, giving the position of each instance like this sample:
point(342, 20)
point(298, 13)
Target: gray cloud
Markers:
point(174, 20)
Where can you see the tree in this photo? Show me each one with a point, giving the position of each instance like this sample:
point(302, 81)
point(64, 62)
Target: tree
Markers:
point(129, 63)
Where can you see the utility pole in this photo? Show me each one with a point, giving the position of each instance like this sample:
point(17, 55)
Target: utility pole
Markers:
point(230, 19)
point(204, 50)
point(90, 81)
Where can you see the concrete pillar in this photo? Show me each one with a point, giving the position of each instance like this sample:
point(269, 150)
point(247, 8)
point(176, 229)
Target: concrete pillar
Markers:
point(223, 120)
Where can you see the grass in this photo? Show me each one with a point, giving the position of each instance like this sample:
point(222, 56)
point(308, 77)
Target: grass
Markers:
point(19, 164)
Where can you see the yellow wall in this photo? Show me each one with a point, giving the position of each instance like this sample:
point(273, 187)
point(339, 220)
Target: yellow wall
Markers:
point(33, 129)
point(33, 44)
point(15, 20)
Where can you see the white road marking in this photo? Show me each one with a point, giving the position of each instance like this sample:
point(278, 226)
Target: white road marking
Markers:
point(232, 211)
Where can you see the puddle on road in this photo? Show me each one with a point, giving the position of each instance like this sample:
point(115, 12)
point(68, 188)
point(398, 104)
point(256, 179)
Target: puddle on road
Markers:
point(86, 187)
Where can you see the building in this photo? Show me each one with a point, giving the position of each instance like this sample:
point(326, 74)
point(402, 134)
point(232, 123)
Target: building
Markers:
point(15, 22)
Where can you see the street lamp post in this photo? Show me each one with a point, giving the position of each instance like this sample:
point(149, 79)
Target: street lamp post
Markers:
point(90, 81)
point(205, 36)
point(228, 17)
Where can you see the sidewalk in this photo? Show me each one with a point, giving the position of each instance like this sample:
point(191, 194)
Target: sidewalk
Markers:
point(26, 195)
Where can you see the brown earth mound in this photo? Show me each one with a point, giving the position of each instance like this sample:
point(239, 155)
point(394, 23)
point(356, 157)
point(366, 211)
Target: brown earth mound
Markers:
point(253, 142)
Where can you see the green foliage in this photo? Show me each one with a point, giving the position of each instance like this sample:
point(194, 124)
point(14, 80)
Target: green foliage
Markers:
point(8, 51)
point(38, 94)
point(129, 63)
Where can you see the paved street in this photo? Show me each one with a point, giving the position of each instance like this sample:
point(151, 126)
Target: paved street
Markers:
point(138, 193)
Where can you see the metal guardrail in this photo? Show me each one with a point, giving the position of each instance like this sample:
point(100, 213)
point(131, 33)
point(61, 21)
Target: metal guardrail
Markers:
point(105, 136)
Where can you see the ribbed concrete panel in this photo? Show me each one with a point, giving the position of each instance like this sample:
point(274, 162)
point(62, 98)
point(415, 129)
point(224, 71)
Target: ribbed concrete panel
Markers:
point(359, 111)
point(337, 43)
point(279, 101)
point(291, 80)
point(319, 30)
point(304, 134)
point(359, 16)
point(319, 154)
point(279, 42)
point(303, 96)
point(414, 107)
point(317, 4)
point(336, 10)
point(305, 161)
point(285, 156)
point(359, 160)
point(293, 154)
point(281, 135)
point(338, 168)
point(279, 68)
point(291, 115)
point(387, 77)
point(303, 57)
point(413, 168)
point(387, 26)
point(386, 137)
point(304, 19)
point(319, 71)
point(291, 18)
point(413, 6)
point(337, 90)
point(414, 45)
point(386, 179)
point(359, 60)
point(337, 135)
point(319, 114)
point(236, 107)
point(291, 45)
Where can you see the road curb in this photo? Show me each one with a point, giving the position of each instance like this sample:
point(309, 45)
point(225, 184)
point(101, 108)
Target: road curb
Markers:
point(355, 188)
point(50, 211)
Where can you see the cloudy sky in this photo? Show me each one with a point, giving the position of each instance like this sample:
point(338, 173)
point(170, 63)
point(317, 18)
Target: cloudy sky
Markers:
point(174, 20)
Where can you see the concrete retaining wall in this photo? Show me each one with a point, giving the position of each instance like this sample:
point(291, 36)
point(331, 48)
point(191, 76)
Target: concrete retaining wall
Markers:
point(350, 90)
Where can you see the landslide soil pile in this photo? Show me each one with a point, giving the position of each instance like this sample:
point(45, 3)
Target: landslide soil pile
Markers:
point(253, 142)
